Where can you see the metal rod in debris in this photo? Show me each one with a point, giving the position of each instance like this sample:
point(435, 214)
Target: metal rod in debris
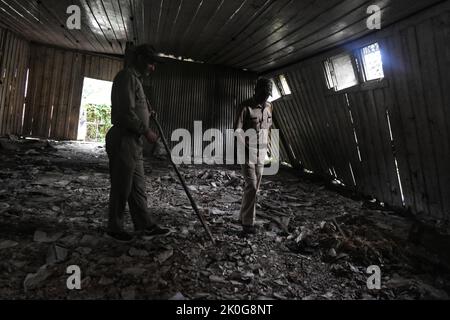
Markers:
point(183, 182)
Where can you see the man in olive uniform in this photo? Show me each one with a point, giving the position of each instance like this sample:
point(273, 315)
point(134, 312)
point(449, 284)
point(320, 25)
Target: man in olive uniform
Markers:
point(255, 120)
point(130, 116)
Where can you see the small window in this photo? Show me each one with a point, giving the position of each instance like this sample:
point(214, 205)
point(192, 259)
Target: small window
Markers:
point(328, 75)
point(340, 72)
point(285, 86)
point(275, 92)
point(372, 62)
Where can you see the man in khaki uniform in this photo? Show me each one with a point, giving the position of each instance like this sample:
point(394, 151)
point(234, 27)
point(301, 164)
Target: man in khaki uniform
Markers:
point(130, 116)
point(255, 120)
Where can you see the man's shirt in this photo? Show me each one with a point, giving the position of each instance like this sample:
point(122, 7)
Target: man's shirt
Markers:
point(259, 118)
point(129, 108)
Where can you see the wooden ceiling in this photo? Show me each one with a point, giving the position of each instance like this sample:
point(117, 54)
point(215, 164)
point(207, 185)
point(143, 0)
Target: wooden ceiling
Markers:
point(258, 35)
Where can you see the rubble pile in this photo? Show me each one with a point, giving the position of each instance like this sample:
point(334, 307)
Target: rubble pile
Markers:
point(312, 243)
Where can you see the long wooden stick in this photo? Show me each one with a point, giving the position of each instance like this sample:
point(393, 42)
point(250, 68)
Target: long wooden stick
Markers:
point(183, 182)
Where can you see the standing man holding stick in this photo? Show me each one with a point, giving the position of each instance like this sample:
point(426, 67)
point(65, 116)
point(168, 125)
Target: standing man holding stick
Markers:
point(130, 116)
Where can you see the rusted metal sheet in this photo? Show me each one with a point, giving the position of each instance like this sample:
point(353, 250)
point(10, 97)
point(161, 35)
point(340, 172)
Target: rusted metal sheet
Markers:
point(257, 35)
point(388, 140)
point(55, 88)
point(183, 93)
point(14, 55)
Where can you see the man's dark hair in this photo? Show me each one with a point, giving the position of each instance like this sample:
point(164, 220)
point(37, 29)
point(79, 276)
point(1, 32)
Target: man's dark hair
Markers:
point(147, 52)
point(264, 84)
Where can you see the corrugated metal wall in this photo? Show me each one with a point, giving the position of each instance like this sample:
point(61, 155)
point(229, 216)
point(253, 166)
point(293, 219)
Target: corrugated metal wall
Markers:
point(183, 93)
point(329, 131)
point(14, 53)
point(345, 134)
point(55, 89)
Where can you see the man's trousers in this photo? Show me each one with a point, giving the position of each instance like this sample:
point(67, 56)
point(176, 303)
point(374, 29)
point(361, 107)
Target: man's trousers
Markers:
point(252, 175)
point(126, 165)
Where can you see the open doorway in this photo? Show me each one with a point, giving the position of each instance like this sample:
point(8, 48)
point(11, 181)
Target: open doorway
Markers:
point(95, 110)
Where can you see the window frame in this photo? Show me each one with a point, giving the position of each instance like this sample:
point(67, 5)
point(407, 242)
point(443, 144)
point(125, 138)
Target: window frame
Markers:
point(275, 87)
point(277, 82)
point(328, 64)
point(358, 67)
point(284, 93)
point(359, 56)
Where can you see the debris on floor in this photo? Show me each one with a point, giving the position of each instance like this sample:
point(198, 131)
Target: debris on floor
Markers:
point(312, 243)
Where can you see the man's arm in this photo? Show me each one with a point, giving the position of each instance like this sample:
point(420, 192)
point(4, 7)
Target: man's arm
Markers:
point(126, 93)
point(240, 118)
point(239, 124)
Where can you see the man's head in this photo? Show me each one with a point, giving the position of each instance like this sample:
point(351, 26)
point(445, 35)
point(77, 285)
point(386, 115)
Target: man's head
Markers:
point(145, 59)
point(263, 90)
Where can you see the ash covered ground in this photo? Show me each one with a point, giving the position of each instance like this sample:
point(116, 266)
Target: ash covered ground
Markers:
point(313, 242)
